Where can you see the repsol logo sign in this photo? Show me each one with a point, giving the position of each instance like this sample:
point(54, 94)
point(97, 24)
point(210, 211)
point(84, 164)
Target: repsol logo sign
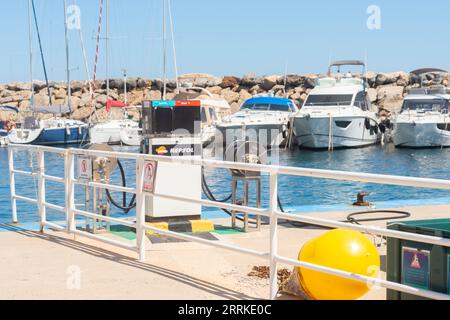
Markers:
point(176, 150)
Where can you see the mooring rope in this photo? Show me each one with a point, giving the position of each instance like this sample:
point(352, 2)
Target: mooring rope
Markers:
point(330, 135)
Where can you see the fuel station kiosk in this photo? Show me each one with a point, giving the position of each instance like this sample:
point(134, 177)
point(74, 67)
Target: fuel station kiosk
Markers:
point(172, 129)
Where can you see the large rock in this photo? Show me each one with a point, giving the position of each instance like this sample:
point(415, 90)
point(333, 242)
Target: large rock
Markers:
point(82, 113)
point(230, 96)
point(269, 82)
point(60, 93)
point(152, 95)
point(102, 99)
point(24, 105)
point(243, 96)
point(18, 86)
point(230, 82)
point(74, 102)
point(199, 80)
point(249, 81)
point(373, 94)
point(6, 100)
point(390, 97)
point(310, 83)
point(292, 80)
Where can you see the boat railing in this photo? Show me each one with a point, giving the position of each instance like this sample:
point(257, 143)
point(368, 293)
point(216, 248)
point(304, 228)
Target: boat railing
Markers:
point(271, 212)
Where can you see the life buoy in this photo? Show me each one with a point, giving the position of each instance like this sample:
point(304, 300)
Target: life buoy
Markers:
point(9, 126)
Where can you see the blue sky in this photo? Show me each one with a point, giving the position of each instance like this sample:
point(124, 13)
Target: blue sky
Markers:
point(233, 37)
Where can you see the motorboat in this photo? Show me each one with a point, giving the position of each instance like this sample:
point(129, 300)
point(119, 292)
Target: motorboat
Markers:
point(424, 120)
point(337, 113)
point(263, 119)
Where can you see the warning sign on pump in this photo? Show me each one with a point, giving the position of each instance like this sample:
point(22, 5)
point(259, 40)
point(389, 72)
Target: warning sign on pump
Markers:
point(149, 176)
point(84, 168)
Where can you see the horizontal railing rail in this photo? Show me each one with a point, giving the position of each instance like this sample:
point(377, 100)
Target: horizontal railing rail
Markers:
point(272, 212)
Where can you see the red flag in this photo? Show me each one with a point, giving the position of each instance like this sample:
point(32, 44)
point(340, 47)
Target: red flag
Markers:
point(114, 104)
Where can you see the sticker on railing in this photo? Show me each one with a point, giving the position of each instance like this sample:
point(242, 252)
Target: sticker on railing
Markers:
point(150, 168)
point(84, 168)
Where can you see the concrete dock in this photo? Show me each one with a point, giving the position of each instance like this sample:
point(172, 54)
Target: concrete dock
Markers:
point(54, 265)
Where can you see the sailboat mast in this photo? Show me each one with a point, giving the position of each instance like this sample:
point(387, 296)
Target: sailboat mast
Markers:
point(164, 52)
point(69, 89)
point(30, 39)
point(107, 48)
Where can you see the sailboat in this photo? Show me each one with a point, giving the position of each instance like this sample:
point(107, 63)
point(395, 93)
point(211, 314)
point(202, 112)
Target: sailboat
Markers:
point(57, 130)
point(109, 132)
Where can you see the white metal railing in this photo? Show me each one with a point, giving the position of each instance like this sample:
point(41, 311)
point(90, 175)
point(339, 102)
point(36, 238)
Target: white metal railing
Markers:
point(272, 212)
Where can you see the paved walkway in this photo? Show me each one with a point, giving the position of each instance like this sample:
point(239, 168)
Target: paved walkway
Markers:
point(44, 266)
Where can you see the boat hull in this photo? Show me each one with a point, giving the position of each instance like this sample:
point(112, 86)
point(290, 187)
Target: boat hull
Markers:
point(110, 132)
point(267, 135)
point(131, 137)
point(347, 132)
point(50, 136)
point(420, 135)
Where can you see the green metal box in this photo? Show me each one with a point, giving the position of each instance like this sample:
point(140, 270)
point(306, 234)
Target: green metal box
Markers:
point(417, 264)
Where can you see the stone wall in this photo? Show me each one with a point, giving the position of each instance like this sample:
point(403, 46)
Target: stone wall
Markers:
point(386, 91)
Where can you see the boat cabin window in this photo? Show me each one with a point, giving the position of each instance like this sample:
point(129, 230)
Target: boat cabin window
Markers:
point(361, 101)
point(213, 114)
point(30, 123)
point(425, 105)
point(203, 115)
point(269, 107)
point(325, 100)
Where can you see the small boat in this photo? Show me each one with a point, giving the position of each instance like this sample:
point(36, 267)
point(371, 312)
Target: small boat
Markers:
point(424, 121)
point(56, 131)
point(337, 113)
point(110, 132)
point(261, 119)
point(7, 124)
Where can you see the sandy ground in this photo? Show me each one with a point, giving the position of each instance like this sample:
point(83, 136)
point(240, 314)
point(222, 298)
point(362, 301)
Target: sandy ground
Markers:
point(45, 266)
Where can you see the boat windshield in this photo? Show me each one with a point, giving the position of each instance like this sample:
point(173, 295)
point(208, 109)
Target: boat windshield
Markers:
point(425, 105)
point(268, 107)
point(329, 100)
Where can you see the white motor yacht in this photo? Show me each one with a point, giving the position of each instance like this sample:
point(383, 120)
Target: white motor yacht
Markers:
point(337, 113)
point(424, 121)
point(261, 119)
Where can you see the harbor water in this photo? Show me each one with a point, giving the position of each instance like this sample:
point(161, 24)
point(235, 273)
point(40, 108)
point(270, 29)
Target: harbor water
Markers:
point(299, 194)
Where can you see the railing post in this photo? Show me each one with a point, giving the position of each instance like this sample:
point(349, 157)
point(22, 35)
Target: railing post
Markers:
point(69, 169)
point(41, 189)
point(273, 235)
point(140, 210)
point(12, 180)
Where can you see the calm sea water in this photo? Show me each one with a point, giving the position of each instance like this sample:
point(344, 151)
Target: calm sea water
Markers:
point(295, 192)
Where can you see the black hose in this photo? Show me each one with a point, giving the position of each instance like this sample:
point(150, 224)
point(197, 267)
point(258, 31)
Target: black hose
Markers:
point(209, 194)
point(401, 215)
point(126, 208)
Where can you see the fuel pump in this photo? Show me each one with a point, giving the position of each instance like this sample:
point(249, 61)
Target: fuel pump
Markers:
point(172, 129)
point(96, 199)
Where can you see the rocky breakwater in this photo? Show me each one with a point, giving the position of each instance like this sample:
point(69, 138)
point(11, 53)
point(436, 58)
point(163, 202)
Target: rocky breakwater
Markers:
point(386, 91)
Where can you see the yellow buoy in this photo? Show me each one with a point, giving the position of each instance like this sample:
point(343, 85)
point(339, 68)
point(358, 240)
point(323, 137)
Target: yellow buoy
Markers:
point(344, 250)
